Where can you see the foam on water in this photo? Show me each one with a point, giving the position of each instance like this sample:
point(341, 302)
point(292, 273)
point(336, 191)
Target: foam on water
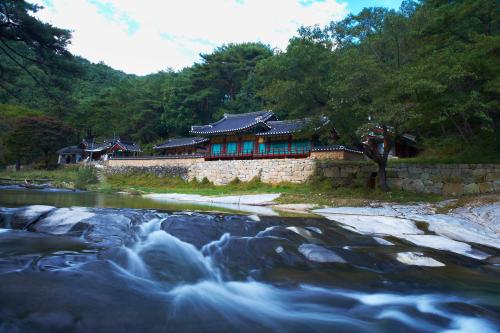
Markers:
point(241, 302)
point(191, 287)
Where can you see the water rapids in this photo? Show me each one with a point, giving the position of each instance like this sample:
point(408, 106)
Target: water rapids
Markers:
point(122, 270)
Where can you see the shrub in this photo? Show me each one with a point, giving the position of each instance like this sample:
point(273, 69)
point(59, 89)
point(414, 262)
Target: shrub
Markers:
point(235, 181)
point(85, 176)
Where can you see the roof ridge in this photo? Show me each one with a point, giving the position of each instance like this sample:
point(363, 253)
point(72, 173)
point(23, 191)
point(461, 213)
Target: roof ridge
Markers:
point(288, 120)
point(246, 113)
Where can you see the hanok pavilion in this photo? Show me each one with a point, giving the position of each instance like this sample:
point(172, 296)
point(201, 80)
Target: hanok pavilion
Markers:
point(90, 149)
point(257, 135)
point(183, 146)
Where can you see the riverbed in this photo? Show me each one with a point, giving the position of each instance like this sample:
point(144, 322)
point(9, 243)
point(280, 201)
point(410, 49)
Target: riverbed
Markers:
point(79, 262)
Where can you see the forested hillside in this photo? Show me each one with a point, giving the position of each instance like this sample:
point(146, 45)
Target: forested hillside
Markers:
point(431, 68)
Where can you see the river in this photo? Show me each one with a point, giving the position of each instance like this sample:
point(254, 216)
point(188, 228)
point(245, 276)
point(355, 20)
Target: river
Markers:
point(86, 262)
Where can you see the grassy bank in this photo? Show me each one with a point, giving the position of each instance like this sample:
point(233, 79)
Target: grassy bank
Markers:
point(83, 178)
point(317, 191)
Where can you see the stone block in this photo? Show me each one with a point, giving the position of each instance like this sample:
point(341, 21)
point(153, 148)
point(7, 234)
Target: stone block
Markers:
point(453, 189)
point(428, 182)
point(496, 185)
point(424, 176)
point(395, 183)
point(332, 172)
point(416, 185)
point(486, 187)
point(472, 188)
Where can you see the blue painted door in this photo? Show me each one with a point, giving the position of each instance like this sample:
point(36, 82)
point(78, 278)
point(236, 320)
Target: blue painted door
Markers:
point(231, 148)
point(216, 149)
point(247, 147)
point(262, 148)
point(301, 146)
point(279, 147)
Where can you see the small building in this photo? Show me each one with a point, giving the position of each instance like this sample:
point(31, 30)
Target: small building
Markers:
point(183, 147)
point(70, 155)
point(95, 151)
point(404, 146)
point(122, 148)
point(337, 152)
point(259, 135)
point(110, 148)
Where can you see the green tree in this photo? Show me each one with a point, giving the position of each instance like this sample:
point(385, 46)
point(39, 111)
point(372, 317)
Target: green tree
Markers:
point(33, 54)
point(296, 83)
point(31, 138)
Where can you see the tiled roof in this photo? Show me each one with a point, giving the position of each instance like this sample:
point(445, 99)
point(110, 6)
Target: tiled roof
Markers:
point(336, 148)
point(235, 123)
point(284, 127)
point(70, 150)
point(129, 146)
point(181, 142)
point(108, 143)
point(97, 146)
point(290, 126)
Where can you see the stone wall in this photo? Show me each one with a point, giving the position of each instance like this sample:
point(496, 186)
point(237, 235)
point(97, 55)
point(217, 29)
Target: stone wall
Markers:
point(337, 155)
point(152, 162)
point(268, 170)
point(447, 179)
point(161, 167)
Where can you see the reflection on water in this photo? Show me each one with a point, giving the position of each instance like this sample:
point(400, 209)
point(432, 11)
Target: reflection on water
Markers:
point(14, 197)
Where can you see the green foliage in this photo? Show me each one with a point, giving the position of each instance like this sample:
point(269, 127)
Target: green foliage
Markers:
point(486, 149)
point(296, 82)
point(67, 177)
point(85, 177)
point(317, 191)
point(37, 137)
point(430, 68)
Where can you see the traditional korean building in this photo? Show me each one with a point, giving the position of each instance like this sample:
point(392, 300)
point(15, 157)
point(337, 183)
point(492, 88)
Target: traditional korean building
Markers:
point(70, 155)
point(404, 146)
point(109, 148)
point(183, 147)
point(91, 149)
point(259, 135)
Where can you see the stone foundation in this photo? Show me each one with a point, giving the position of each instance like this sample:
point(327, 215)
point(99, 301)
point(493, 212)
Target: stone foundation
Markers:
point(270, 171)
point(337, 155)
point(447, 179)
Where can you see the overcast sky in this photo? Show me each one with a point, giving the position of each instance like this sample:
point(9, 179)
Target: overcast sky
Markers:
point(146, 36)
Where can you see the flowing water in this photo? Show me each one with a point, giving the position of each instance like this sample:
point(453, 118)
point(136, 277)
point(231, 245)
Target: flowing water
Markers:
point(138, 270)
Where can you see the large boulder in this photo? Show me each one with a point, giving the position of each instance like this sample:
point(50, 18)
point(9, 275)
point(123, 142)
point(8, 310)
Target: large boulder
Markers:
point(22, 218)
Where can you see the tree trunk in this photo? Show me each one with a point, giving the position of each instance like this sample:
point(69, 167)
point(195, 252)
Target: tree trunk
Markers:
point(47, 158)
point(18, 165)
point(382, 174)
point(372, 152)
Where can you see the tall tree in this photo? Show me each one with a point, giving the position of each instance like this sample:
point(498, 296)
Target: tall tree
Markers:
point(33, 53)
point(31, 138)
point(296, 83)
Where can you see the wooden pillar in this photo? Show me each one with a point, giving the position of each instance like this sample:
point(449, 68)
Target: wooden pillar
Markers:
point(224, 145)
point(256, 145)
point(289, 144)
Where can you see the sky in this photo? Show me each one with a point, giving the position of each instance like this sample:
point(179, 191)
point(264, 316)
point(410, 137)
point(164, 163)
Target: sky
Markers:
point(146, 36)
